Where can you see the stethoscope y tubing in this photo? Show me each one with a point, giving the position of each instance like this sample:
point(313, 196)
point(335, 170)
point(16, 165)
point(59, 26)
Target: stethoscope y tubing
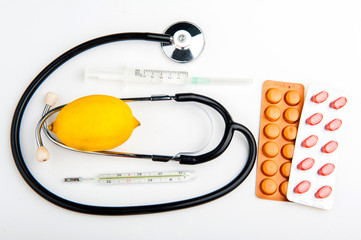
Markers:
point(102, 210)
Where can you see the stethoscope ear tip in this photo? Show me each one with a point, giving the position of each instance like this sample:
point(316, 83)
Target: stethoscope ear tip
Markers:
point(42, 154)
point(51, 98)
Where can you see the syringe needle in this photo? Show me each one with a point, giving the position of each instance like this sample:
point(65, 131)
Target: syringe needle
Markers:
point(211, 80)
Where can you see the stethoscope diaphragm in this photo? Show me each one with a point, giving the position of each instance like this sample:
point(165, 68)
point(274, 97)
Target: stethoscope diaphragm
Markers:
point(187, 42)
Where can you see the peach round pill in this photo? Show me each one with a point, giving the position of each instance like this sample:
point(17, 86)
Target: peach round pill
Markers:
point(302, 187)
point(273, 113)
point(291, 115)
point(271, 131)
point(287, 150)
point(289, 133)
point(268, 186)
point(323, 192)
point(274, 95)
point(292, 97)
point(269, 168)
point(286, 169)
point(283, 188)
point(326, 169)
point(270, 149)
point(320, 97)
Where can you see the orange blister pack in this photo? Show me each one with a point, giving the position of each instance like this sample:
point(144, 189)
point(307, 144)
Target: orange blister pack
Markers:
point(280, 113)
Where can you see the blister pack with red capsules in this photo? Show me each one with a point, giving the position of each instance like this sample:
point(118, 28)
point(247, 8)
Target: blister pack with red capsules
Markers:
point(315, 161)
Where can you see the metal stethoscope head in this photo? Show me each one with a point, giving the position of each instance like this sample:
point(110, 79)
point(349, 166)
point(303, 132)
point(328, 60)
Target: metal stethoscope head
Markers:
point(187, 42)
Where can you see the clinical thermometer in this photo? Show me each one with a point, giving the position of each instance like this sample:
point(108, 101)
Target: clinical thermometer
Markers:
point(138, 177)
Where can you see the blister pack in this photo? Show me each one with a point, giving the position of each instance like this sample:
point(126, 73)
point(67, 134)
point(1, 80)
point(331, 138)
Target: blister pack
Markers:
point(280, 112)
point(314, 164)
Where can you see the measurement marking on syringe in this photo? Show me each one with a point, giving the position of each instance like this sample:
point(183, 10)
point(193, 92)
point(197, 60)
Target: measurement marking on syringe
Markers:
point(163, 72)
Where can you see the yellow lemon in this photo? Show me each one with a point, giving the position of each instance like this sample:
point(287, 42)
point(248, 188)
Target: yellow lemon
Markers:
point(94, 123)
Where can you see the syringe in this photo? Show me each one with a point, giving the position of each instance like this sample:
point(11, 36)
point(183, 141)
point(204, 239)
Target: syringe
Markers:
point(137, 75)
point(138, 177)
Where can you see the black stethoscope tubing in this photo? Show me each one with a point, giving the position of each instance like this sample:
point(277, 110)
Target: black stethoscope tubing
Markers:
point(231, 127)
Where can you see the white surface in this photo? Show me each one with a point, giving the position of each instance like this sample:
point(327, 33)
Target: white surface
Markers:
point(308, 41)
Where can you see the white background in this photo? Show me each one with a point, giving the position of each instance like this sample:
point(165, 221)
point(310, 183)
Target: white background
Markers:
point(296, 41)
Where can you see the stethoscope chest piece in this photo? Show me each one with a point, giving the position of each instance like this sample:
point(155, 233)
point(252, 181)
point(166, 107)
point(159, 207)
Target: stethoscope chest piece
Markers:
point(187, 42)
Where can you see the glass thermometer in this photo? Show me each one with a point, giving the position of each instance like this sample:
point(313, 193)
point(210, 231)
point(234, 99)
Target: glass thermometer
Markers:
point(138, 177)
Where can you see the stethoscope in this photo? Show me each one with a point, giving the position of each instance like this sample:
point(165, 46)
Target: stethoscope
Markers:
point(181, 42)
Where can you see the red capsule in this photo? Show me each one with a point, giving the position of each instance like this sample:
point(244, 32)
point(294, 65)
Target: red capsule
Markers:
point(302, 187)
point(306, 164)
point(326, 169)
point(314, 119)
point(329, 147)
point(334, 125)
point(319, 97)
point(323, 192)
point(338, 103)
point(310, 141)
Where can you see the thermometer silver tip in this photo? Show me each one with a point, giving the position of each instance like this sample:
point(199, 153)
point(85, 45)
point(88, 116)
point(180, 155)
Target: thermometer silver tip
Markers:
point(77, 179)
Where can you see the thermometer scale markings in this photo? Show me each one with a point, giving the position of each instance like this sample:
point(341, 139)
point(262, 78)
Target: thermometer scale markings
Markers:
point(148, 177)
